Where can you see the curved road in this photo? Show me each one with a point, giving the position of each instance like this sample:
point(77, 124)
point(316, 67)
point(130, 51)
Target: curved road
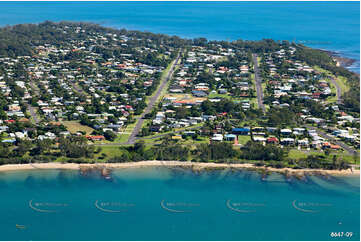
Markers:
point(338, 90)
point(258, 79)
point(151, 103)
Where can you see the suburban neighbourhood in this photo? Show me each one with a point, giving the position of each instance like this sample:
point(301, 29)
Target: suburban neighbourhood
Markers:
point(115, 95)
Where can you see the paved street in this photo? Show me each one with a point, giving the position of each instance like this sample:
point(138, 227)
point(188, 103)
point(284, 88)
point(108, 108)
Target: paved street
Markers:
point(338, 90)
point(152, 101)
point(332, 139)
point(258, 79)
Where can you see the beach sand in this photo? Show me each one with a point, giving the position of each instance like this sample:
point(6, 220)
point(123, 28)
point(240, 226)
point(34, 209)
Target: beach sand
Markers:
point(53, 165)
point(193, 165)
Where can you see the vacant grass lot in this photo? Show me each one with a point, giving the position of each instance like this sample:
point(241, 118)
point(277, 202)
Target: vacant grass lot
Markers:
point(75, 126)
point(243, 139)
point(297, 154)
point(109, 151)
point(342, 82)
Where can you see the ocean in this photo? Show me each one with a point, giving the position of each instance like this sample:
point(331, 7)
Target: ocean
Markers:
point(160, 203)
point(333, 26)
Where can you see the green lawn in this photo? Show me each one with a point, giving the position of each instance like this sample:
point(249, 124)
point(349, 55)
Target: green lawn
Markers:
point(151, 141)
point(263, 85)
point(146, 122)
point(350, 158)
point(253, 101)
point(317, 68)
point(259, 60)
point(243, 139)
point(297, 154)
point(217, 95)
point(333, 91)
point(253, 80)
point(110, 151)
point(122, 138)
point(192, 142)
point(342, 82)
point(75, 126)
point(127, 131)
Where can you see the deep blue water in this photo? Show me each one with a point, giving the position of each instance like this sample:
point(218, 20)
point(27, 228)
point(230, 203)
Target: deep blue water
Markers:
point(328, 25)
point(167, 204)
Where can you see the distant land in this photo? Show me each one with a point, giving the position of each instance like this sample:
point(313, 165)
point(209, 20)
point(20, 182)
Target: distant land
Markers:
point(332, 26)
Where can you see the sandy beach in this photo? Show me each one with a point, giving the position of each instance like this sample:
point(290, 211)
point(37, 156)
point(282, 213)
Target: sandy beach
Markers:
point(193, 165)
point(53, 165)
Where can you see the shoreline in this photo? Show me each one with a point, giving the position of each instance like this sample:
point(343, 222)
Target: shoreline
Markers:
point(341, 59)
point(197, 166)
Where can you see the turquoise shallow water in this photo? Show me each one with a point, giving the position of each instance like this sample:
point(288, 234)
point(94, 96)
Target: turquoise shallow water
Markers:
point(175, 204)
point(328, 25)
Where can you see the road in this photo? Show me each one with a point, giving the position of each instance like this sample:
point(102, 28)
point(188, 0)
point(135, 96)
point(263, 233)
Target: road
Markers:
point(31, 109)
point(324, 135)
point(35, 88)
point(258, 79)
point(152, 101)
point(77, 88)
point(33, 113)
point(338, 90)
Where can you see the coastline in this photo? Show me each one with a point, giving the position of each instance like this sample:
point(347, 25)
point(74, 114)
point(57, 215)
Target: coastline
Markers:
point(197, 166)
point(341, 59)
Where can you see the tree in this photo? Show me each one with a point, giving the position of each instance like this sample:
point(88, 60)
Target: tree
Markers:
point(145, 131)
point(4, 151)
point(109, 135)
point(23, 147)
point(215, 151)
point(355, 157)
point(42, 147)
point(181, 113)
point(327, 152)
point(139, 147)
point(76, 147)
point(256, 151)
